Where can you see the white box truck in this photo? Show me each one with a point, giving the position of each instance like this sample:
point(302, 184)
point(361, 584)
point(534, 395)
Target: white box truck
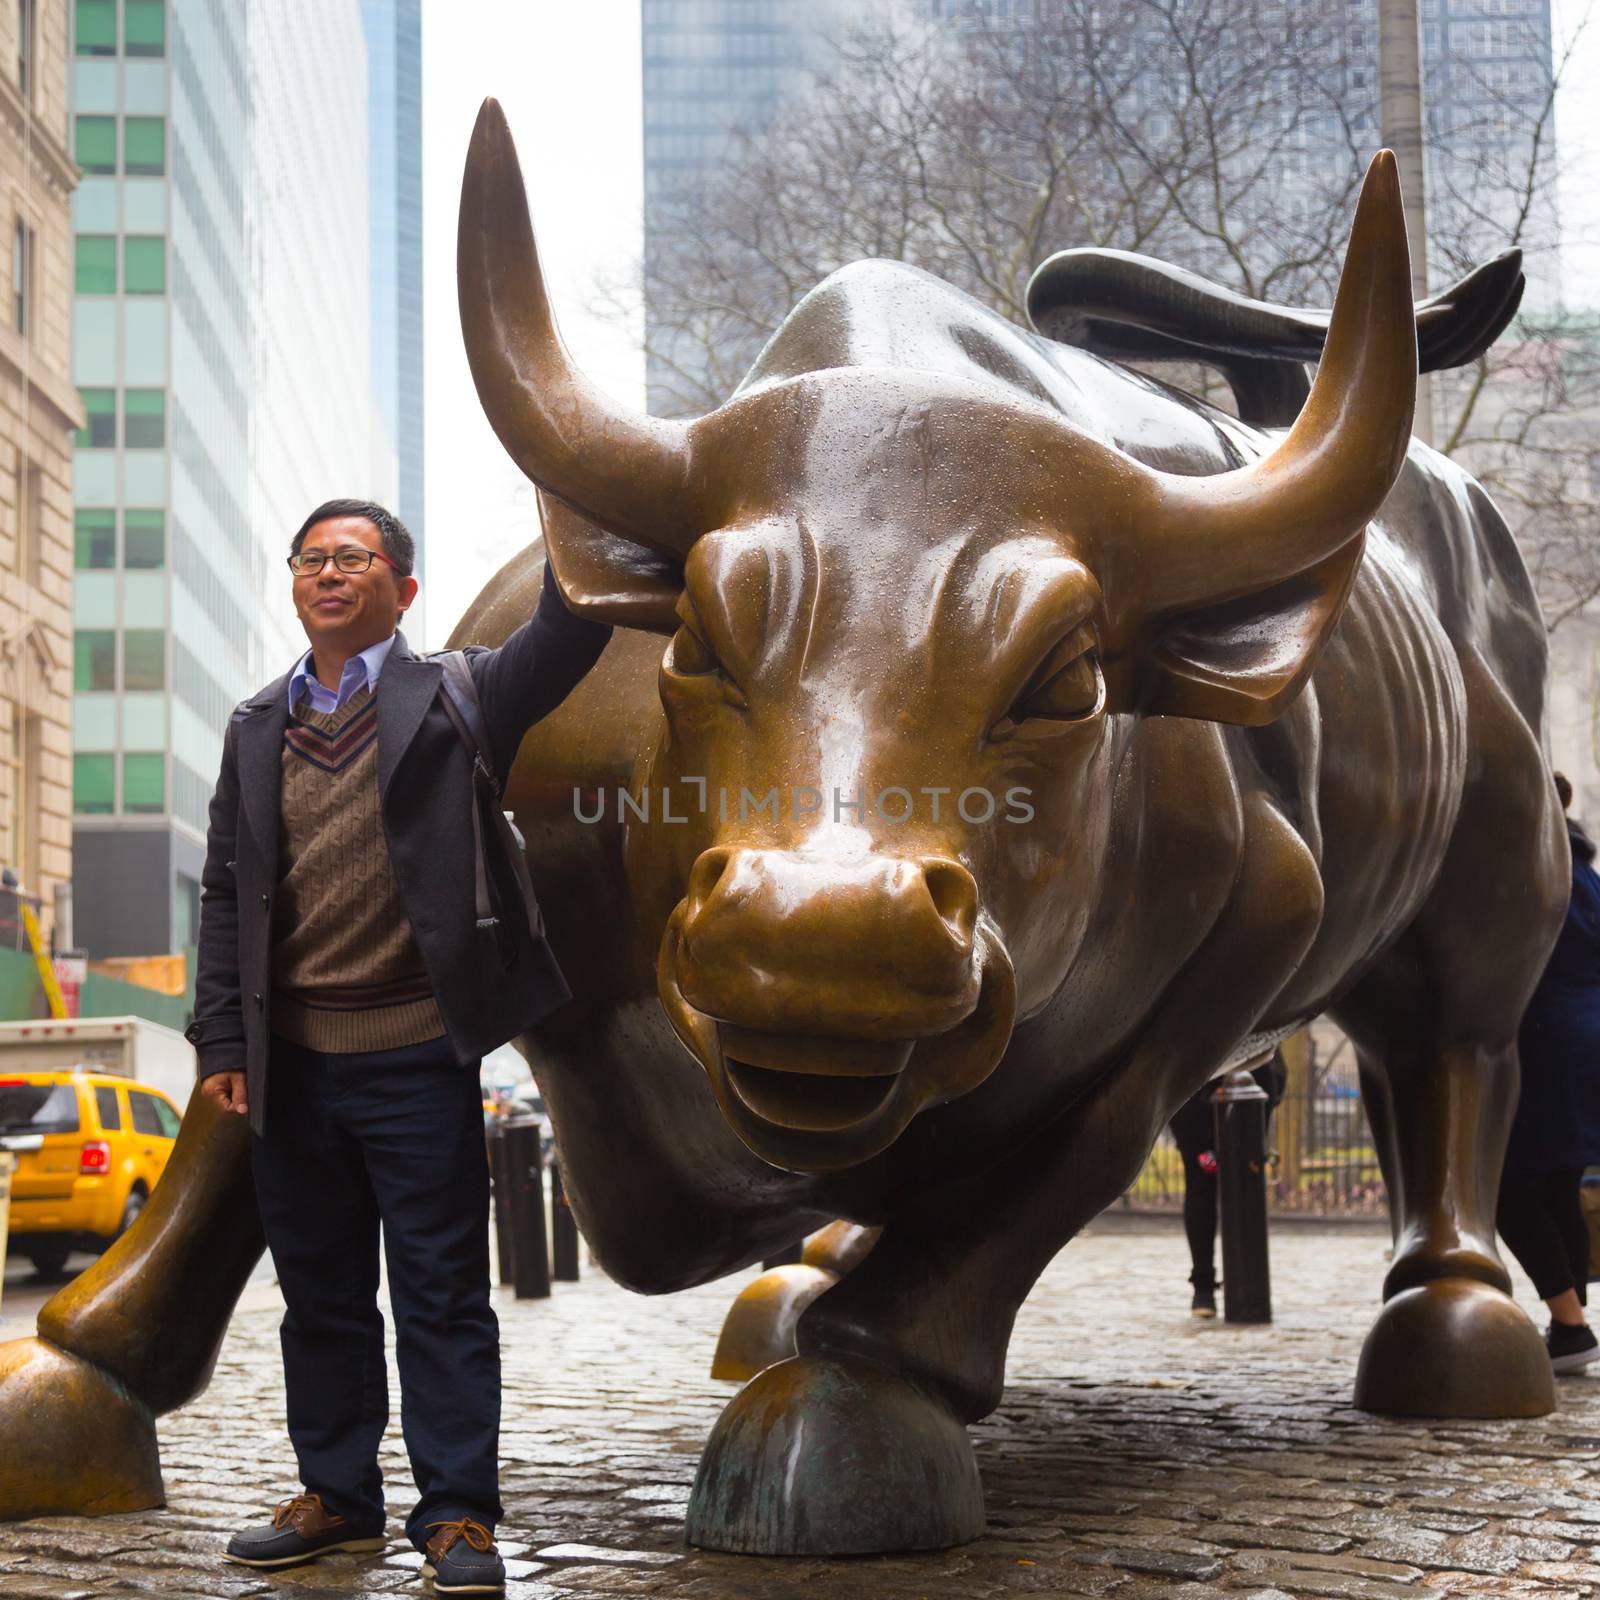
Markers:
point(130, 1047)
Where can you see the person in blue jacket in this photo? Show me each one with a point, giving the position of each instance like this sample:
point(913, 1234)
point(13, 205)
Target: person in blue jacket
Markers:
point(1556, 1131)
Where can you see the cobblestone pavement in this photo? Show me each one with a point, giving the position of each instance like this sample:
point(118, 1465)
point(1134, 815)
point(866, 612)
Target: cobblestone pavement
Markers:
point(1137, 1454)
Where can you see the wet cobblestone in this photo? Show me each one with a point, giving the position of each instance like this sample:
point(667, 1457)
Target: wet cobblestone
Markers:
point(1137, 1454)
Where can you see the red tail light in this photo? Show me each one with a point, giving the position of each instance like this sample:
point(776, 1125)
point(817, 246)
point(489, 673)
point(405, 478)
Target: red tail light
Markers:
point(96, 1157)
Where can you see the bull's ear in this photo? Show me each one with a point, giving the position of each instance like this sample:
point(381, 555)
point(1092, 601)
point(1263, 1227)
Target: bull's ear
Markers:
point(1245, 660)
point(607, 578)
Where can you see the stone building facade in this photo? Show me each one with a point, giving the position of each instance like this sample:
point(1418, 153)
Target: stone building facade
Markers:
point(40, 414)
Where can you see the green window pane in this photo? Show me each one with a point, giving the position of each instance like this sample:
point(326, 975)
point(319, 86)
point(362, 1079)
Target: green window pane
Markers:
point(144, 783)
point(144, 28)
point(96, 539)
point(99, 431)
point(95, 263)
point(97, 28)
point(93, 784)
point(144, 658)
point(144, 266)
point(94, 659)
point(144, 418)
point(144, 146)
point(144, 539)
point(95, 144)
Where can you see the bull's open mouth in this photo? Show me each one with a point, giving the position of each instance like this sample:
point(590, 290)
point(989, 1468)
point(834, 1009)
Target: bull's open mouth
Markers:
point(817, 1055)
point(824, 1102)
point(805, 1101)
point(807, 1082)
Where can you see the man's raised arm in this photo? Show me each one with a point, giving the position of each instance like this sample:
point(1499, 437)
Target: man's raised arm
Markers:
point(537, 667)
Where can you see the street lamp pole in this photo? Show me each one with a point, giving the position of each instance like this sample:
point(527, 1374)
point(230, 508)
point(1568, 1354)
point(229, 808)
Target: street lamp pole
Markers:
point(1400, 124)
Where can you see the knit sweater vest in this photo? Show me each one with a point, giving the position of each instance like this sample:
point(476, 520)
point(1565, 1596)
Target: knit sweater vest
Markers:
point(346, 971)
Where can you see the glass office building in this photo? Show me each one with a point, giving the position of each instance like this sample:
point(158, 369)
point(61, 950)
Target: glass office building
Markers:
point(394, 119)
point(168, 636)
point(711, 66)
point(220, 346)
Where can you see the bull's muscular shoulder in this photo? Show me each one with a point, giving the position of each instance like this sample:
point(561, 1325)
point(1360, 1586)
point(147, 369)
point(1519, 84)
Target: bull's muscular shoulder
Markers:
point(1173, 858)
point(888, 314)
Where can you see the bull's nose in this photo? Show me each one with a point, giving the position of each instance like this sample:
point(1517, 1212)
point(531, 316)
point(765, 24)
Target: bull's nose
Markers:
point(880, 947)
point(705, 877)
point(954, 894)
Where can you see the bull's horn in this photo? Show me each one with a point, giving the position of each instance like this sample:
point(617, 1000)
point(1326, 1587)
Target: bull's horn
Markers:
point(1217, 538)
point(624, 470)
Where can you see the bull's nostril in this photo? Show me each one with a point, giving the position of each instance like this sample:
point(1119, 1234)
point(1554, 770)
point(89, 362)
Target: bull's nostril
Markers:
point(705, 875)
point(954, 895)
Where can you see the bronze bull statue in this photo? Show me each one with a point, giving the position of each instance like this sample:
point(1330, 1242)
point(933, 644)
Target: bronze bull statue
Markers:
point(1032, 742)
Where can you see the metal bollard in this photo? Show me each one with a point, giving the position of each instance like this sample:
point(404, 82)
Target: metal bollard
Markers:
point(1239, 1110)
point(563, 1229)
point(525, 1191)
point(500, 1180)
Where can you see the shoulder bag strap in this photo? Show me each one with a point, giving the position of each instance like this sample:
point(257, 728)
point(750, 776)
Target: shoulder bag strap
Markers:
point(462, 707)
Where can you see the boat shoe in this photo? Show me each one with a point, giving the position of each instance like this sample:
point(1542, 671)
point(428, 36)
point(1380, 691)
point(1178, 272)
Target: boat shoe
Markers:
point(301, 1530)
point(461, 1559)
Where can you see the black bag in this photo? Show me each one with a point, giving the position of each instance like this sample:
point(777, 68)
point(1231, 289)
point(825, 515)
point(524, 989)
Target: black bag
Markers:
point(461, 704)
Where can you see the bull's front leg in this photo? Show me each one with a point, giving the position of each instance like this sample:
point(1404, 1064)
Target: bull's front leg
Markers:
point(133, 1337)
point(859, 1445)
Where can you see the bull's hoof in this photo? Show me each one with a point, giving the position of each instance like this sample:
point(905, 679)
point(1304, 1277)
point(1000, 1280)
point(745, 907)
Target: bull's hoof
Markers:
point(72, 1439)
point(820, 1456)
point(1454, 1348)
point(758, 1331)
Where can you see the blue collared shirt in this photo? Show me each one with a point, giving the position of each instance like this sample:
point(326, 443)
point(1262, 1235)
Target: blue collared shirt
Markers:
point(358, 670)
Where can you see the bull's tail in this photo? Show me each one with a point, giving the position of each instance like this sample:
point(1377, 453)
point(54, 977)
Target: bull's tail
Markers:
point(1133, 308)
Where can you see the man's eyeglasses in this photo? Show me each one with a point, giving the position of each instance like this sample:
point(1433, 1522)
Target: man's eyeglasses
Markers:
point(352, 558)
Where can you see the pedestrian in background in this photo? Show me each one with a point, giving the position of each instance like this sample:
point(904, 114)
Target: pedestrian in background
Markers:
point(1555, 1133)
point(365, 938)
point(1194, 1132)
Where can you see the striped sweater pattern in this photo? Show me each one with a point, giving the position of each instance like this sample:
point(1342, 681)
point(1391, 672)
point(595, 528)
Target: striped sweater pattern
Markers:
point(346, 971)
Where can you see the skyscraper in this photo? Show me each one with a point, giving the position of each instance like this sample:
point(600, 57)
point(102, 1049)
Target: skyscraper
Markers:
point(221, 347)
point(713, 66)
point(394, 117)
point(168, 632)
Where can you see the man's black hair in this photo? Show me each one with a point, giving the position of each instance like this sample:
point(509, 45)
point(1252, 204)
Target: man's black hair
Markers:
point(397, 543)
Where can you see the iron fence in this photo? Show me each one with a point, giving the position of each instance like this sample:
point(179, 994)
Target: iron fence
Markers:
point(1322, 1162)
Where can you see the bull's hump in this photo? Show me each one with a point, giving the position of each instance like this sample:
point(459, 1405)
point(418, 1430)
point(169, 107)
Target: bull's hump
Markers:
point(886, 314)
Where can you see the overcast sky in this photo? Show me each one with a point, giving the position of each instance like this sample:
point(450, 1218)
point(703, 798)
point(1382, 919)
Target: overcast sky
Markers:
point(568, 76)
point(1578, 148)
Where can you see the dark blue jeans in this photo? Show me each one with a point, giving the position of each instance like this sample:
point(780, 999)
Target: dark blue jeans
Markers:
point(355, 1141)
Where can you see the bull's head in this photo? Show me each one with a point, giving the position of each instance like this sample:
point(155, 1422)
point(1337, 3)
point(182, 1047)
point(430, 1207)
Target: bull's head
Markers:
point(896, 597)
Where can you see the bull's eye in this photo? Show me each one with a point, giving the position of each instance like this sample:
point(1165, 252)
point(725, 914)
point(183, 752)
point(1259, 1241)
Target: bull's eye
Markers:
point(689, 654)
point(1071, 693)
point(691, 665)
point(1068, 688)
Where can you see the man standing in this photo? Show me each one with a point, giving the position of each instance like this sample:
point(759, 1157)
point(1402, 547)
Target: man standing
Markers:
point(347, 986)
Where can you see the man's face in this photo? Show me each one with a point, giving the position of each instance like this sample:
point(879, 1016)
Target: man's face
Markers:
point(350, 610)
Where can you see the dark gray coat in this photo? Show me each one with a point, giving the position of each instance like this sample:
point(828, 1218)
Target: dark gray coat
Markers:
point(491, 985)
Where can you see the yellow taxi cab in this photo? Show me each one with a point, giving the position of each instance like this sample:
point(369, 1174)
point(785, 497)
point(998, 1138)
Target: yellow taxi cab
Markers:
point(90, 1147)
